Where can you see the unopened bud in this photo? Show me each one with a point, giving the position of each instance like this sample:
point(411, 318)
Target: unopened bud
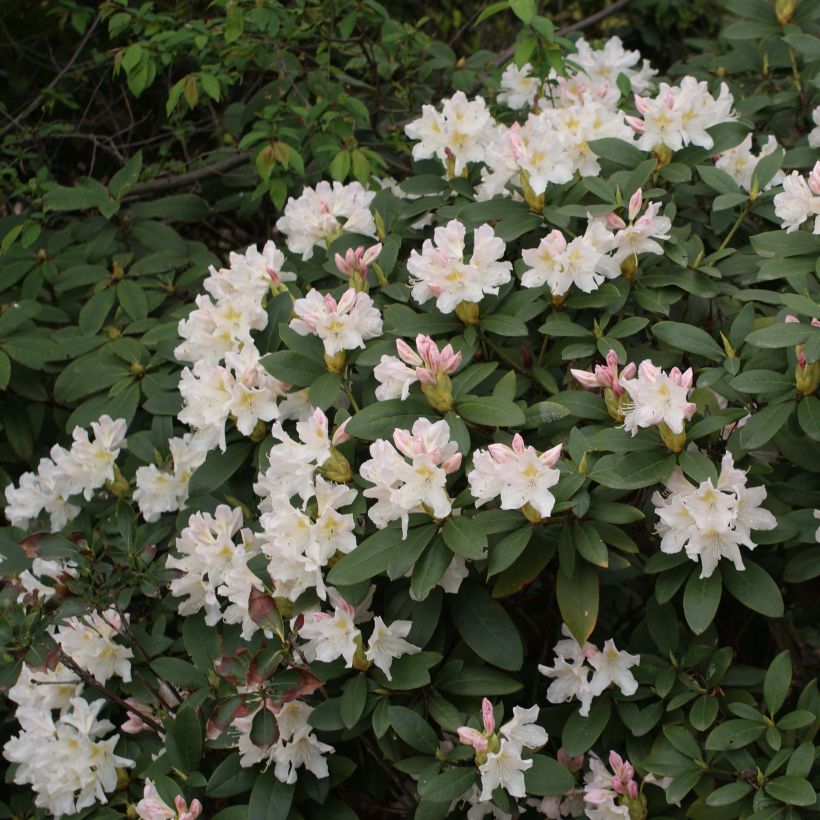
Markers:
point(467, 312)
point(531, 514)
point(337, 468)
point(784, 9)
point(674, 442)
point(629, 267)
point(336, 362)
point(439, 395)
point(613, 405)
point(807, 377)
point(663, 155)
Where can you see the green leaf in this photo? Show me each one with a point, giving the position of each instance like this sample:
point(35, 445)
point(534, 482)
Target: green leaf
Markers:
point(430, 568)
point(780, 334)
point(618, 151)
point(490, 411)
point(701, 597)
point(754, 588)
point(380, 419)
point(480, 681)
point(508, 549)
point(133, 300)
point(764, 424)
point(201, 641)
point(270, 798)
point(777, 681)
point(264, 728)
point(762, 381)
point(217, 468)
point(589, 544)
point(808, 414)
point(578, 599)
point(354, 697)
point(504, 325)
point(524, 10)
point(413, 729)
point(449, 785)
point(325, 390)
point(580, 733)
point(633, 470)
point(728, 794)
point(723, 202)
point(294, 368)
point(183, 742)
point(380, 551)
point(718, 180)
point(465, 537)
point(486, 628)
point(547, 777)
point(767, 166)
point(703, 712)
point(688, 338)
point(124, 179)
point(95, 310)
point(734, 734)
point(230, 778)
point(792, 790)
point(5, 370)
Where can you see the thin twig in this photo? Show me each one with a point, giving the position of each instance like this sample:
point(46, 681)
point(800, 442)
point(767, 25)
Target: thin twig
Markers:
point(182, 180)
point(592, 20)
point(34, 104)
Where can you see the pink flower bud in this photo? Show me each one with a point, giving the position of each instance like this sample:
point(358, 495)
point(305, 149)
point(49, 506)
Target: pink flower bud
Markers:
point(636, 124)
point(472, 737)
point(407, 354)
point(347, 301)
point(643, 104)
point(629, 371)
point(343, 265)
point(550, 457)
point(487, 716)
point(341, 436)
point(500, 453)
point(635, 204)
point(426, 376)
point(790, 319)
point(632, 790)
point(371, 255)
point(615, 222)
point(451, 464)
point(404, 443)
point(814, 179)
point(586, 380)
point(518, 446)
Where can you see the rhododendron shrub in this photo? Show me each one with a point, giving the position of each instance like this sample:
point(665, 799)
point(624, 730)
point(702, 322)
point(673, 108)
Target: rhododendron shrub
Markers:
point(490, 491)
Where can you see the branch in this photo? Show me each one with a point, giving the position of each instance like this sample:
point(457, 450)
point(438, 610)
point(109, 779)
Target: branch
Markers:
point(592, 20)
point(16, 120)
point(159, 184)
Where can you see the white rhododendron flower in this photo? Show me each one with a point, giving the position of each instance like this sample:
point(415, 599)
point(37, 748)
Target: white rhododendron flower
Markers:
point(518, 474)
point(711, 521)
point(342, 325)
point(440, 271)
point(740, 163)
point(386, 643)
point(657, 398)
point(605, 64)
point(518, 88)
point(411, 476)
point(814, 134)
point(153, 807)
point(45, 689)
point(799, 200)
point(89, 642)
point(81, 470)
point(324, 213)
point(426, 364)
point(66, 761)
point(680, 114)
point(296, 745)
point(499, 754)
point(573, 664)
point(457, 135)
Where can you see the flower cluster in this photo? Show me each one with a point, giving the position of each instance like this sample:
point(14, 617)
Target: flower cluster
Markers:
point(574, 663)
point(426, 365)
point(520, 475)
point(609, 795)
point(440, 272)
point(680, 114)
point(342, 325)
point(799, 200)
point(153, 807)
point(412, 475)
point(498, 754)
point(89, 642)
point(80, 470)
point(324, 213)
point(66, 759)
point(296, 745)
point(711, 521)
point(211, 564)
point(338, 636)
point(740, 163)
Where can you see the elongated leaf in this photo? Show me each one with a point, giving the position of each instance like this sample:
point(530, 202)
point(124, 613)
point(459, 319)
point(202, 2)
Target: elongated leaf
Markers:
point(578, 599)
point(413, 729)
point(547, 777)
point(700, 600)
point(465, 537)
point(379, 420)
point(754, 588)
point(490, 411)
point(486, 628)
point(689, 338)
